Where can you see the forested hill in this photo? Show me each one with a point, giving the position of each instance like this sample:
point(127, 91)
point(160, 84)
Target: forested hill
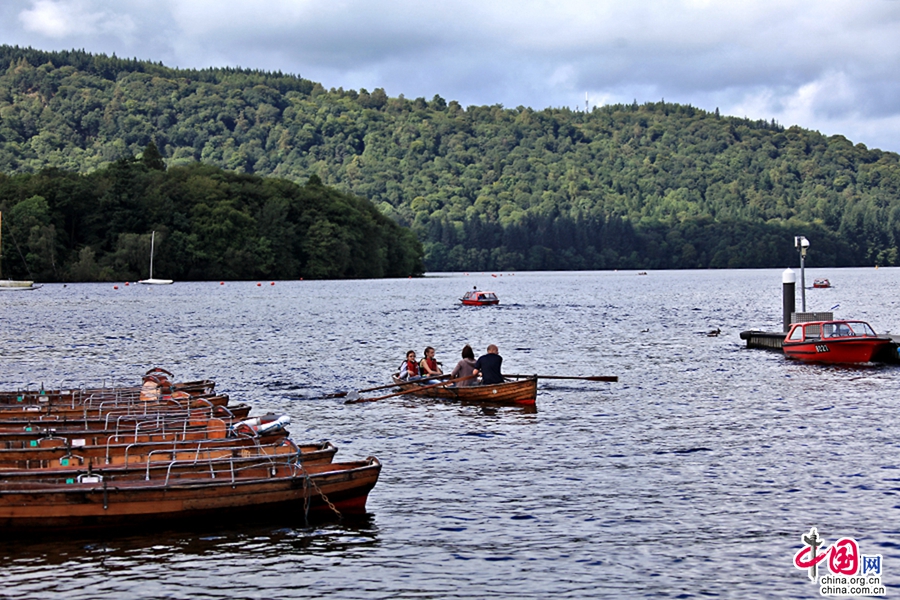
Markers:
point(210, 224)
point(657, 185)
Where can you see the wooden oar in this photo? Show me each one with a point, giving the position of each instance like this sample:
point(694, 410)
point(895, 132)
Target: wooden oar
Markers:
point(372, 389)
point(593, 378)
point(409, 391)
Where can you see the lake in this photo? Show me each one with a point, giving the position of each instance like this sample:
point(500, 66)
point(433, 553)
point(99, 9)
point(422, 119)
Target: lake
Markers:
point(693, 476)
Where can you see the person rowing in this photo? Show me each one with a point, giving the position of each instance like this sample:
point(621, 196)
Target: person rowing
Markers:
point(489, 366)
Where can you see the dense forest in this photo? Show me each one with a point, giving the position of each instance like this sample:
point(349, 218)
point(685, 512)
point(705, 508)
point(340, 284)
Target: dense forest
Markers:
point(654, 185)
point(210, 224)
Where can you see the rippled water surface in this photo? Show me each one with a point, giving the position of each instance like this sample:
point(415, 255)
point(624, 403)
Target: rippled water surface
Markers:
point(694, 476)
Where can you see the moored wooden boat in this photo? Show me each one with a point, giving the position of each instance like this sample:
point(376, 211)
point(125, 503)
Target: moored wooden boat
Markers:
point(119, 421)
point(155, 384)
point(121, 430)
point(264, 490)
point(55, 452)
point(95, 407)
point(73, 397)
point(834, 342)
point(520, 391)
point(139, 458)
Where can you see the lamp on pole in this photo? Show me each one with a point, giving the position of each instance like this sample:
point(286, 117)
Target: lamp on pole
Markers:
point(802, 244)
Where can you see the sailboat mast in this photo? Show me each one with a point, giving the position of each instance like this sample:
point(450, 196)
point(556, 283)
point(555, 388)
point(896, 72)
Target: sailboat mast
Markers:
point(152, 240)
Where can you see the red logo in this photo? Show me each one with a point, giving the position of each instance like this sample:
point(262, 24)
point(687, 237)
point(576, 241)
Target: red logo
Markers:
point(843, 555)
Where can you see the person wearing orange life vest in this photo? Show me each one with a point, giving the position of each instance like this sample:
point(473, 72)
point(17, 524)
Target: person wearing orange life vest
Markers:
point(409, 368)
point(428, 366)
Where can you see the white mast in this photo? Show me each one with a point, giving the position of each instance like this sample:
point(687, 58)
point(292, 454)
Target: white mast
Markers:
point(152, 240)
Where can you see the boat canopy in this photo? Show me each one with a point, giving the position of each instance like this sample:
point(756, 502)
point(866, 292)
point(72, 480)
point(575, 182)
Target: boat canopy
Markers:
point(830, 329)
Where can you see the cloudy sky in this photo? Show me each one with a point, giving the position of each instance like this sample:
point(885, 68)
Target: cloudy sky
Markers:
point(827, 65)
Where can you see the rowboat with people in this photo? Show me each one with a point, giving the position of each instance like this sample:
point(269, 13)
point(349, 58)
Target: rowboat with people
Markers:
point(515, 391)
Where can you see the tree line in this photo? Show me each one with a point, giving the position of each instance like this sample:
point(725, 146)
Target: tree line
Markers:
point(210, 224)
point(653, 185)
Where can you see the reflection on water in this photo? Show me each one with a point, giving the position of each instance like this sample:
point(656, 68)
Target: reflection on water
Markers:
point(694, 475)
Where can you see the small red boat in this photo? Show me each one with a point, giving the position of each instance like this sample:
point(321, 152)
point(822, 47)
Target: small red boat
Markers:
point(477, 298)
point(837, 342)
point(821, 283)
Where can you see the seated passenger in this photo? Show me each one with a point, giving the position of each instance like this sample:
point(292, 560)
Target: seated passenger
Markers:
point(465, 367)
point(428, 366)
point(409, 369)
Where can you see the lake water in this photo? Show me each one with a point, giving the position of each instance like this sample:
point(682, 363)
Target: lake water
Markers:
point(693, 476)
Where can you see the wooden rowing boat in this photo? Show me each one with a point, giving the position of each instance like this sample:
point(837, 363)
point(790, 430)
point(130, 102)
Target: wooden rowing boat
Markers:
point(204, 387)
point(99, 407)
point(121, 460)
point(54, 452)
point(520, 391)
point(272, 491)
point(118, 421)
point(156, 428)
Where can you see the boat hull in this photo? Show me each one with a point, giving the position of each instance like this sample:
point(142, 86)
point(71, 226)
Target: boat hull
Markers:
point(844, 351)
point(523, 391)
point(19, 286)
point(194, 499)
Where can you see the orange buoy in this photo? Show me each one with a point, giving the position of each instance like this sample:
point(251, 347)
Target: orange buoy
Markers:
point(273, 283)
point(115, 287)
point(258, 285)
point(221, 283)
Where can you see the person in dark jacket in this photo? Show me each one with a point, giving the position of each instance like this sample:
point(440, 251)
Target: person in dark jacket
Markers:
point(489, 366)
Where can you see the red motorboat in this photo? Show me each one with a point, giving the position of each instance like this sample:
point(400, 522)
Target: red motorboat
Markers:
point(477, 298)
point(837, 342)
point(821, 283)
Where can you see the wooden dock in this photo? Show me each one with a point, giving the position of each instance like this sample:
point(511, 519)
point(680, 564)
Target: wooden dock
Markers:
point(767, 340)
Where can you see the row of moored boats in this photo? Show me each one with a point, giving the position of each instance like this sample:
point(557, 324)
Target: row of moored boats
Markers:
point(161, 453)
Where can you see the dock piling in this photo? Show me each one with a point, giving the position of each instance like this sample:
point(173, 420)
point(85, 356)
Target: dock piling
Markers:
point(789, 296)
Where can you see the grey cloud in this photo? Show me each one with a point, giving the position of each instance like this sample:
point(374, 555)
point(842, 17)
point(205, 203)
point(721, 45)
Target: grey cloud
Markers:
point(829, 64)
